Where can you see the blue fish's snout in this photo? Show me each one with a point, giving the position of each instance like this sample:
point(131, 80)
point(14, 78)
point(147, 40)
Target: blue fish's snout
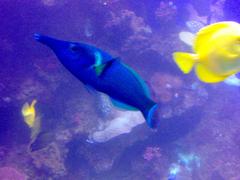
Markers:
point(43, 39)
point(64, 50)
point(56, 45)
point(51, 42)
point(37, 36)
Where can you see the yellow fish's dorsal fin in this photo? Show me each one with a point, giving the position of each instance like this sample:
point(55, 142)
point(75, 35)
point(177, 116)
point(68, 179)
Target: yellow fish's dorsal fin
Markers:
point(205, 34)
point(185, 61)
point(207, 76)
point(33, 103)
point(29, 114)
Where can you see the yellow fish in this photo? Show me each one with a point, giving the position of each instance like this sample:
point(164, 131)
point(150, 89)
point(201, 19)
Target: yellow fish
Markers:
point(216, 54)
point(30, 118)
point(29, 113)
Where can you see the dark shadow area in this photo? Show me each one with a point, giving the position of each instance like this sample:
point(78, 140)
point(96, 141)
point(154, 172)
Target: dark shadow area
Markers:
point(13, 129)
point(177, 127)
point(75, 159)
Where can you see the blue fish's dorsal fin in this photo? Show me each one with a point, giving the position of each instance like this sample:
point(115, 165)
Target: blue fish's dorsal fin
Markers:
point(122, 105)
point(101, 68)
point(140, 80)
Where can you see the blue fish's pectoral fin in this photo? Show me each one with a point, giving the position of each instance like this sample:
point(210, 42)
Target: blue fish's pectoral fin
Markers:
point(122, 105)
point(100, 67)
point(100, 64)
point(104, 66)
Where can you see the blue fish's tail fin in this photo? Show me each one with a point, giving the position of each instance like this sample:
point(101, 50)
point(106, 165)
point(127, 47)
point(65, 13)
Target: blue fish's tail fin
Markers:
point(148, 115)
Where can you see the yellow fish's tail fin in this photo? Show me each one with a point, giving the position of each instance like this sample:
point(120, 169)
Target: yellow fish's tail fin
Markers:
point(36, 128)
point(185, 61)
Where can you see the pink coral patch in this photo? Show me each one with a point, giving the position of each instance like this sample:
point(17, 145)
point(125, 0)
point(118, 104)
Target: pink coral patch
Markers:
point(9, 173)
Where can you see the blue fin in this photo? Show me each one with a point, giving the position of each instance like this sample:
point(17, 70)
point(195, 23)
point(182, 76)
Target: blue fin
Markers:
point(148, 115)
point(99, 69)
point(122, 105)
point(101, 66)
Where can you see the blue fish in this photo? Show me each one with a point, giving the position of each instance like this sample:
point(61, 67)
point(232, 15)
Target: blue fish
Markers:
point(98, 70)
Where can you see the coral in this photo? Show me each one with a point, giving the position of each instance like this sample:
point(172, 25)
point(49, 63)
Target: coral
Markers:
point(49, 2)
point(118, 135)
point(151, 153)
point(104, 105)
point(122, 123)
point(166, 11)
point(165, 45)
point(10, 173)
point(137, 35)
point(136, 42)
point(135, 30)
point(136, 24)
point(101, 163)
point(107, 2)
point(16, 158)
point(194, 14)
point(100, 157)
point(76, 113)
point(50, 72)
point(64, 136)
point(165, 86)
point(31, 88)
point(150, 164)
point(50, 158)
point(217, 11)
point(176, 96)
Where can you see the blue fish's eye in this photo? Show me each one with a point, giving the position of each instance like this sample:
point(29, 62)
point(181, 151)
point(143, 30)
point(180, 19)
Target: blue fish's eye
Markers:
point(73, 47)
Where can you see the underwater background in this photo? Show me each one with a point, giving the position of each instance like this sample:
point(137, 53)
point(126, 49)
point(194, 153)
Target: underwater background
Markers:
point(82, 136)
